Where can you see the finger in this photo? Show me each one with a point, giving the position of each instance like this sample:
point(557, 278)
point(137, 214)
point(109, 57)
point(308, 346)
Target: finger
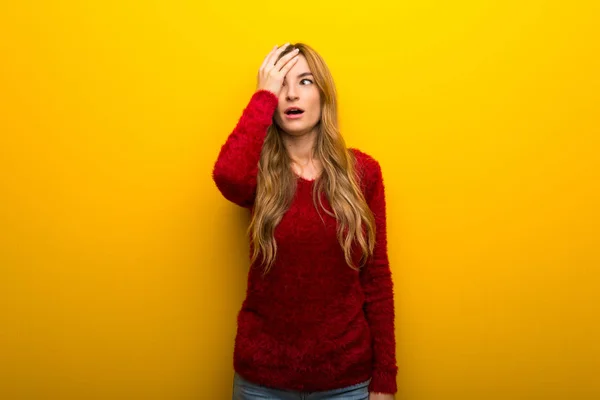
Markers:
point(286, 68)
point(267, 57)
point(279, 64)
point(276, 54)
point(285, 59)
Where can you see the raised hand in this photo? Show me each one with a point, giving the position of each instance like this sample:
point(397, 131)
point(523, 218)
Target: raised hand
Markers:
point(272, 73)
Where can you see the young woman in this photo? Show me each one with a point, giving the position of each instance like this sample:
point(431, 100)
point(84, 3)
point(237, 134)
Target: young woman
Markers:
point(318, 318)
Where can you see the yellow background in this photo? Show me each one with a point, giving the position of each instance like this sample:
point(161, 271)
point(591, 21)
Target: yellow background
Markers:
point(122, 268)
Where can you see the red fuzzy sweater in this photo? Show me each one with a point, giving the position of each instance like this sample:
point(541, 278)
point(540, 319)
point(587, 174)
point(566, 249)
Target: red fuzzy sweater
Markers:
point(312, 323)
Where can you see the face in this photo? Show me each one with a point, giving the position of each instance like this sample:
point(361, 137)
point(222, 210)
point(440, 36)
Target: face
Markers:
point(299, 91)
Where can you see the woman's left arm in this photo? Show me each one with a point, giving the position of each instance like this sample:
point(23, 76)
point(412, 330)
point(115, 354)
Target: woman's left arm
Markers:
point(376, 281)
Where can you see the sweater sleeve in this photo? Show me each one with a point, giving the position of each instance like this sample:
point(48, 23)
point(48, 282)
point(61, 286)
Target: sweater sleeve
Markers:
point(376, 280)
point(236, 167)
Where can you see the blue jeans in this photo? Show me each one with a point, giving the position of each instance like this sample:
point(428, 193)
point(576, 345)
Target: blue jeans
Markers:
point(245, 390)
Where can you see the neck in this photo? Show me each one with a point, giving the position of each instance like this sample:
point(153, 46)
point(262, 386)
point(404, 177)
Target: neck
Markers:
point(300, 148)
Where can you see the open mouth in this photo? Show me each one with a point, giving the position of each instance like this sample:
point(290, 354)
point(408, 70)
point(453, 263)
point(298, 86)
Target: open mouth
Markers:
point(294, 111)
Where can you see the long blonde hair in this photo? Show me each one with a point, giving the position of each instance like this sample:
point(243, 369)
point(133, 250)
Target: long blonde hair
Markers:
point(276, 182)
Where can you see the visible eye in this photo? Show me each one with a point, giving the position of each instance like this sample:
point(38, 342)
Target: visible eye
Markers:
point(305, 79)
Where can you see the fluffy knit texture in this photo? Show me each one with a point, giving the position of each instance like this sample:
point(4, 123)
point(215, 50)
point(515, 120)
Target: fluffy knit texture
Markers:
point(312, 323)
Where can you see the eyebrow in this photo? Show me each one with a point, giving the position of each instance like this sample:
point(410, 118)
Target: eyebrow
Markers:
point(304, 74)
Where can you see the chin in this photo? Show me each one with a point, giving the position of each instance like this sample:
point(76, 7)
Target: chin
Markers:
point(299, 130)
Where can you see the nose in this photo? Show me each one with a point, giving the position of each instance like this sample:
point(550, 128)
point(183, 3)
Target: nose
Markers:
point(291, 93)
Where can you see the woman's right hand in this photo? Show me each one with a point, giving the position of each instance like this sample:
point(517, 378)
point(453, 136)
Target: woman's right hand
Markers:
point(271, 74)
